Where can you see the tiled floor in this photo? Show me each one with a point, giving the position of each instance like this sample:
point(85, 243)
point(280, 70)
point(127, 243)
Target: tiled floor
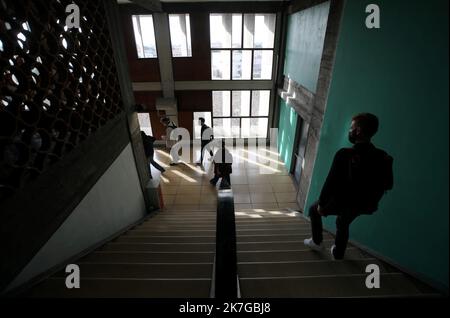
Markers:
point(259, 181)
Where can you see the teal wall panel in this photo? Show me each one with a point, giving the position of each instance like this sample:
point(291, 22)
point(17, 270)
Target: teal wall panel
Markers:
point(286, 133)
point(304, 44)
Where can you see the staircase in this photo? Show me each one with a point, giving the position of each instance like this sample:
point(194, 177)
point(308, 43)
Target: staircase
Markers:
point(169, 255)
point(273, 262)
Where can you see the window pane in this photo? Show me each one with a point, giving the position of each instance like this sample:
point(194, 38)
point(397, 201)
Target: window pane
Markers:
point(197, 127)
point(259, 30)
point(180, 35)
point(242, 63)
point(241, 103)
point(222, 127)
point(221, 103)
point(237, 31)
point(220, 30)
point(264, 30)
point(249, 30)
point(258, 127)
point(235, 127)
point(220, 65)
point(138, 37)
point(262, 64)
point(245, 128)
point(145, 124)
point(260, 103)
point(144, 36)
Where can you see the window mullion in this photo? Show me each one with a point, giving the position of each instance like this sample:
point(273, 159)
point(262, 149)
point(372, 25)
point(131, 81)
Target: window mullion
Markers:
point(141, 34)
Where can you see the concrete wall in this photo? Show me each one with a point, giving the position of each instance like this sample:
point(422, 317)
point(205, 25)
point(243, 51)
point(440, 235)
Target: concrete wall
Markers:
point(304, 44)
point(399, 73)
point(113, 203)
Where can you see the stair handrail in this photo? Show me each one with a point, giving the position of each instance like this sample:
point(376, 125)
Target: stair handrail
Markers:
point(226, 285)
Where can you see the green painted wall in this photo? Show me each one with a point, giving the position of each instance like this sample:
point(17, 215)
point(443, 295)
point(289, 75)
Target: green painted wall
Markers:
point(400, 73)
point(286, 133)
point(304, 44)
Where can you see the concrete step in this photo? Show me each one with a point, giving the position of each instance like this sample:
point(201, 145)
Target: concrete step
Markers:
point(263, 217)
point(143, 270)
point(181, 218)
point(278, 238)
point(391, 284)
point(177, 222)
point(273, 232)
point(272, 226)
point(188, 213)
point(174, 226)
point(299, 254)
point(272, 245)
point(159, 247)
point(165, 239)
point(309, 268)
point(124, 288)
point(270, 221)
point(148, 257)
point(180, 233)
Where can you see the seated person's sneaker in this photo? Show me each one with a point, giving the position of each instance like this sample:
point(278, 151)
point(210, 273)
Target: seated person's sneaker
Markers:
point(310, 243)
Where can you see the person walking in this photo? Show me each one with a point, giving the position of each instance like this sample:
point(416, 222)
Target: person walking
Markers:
point(206, 136)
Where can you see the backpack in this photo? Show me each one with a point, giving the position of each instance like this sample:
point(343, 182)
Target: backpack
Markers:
point(370, 177)
point(172, 125)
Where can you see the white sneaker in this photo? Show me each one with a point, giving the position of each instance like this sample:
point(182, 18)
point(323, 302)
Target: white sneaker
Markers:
point(332, 252)
point(310, 243)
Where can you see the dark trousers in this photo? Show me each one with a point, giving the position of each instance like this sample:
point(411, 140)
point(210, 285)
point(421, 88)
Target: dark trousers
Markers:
point(343, 222)
point(203, 149)
point(155, 164)
point(217, 177)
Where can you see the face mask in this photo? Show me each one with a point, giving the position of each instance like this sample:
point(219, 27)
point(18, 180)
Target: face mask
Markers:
point(352, 136)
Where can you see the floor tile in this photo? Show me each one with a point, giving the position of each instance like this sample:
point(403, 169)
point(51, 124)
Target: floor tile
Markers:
point(262, 198)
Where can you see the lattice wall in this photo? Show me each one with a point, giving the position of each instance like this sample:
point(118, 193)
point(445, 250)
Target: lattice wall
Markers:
point(58, 85)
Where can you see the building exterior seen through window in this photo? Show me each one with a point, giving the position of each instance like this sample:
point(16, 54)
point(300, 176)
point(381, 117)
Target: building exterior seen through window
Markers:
point(180, 35)
point(242, 46)
point(240, 113)
point(144, 36)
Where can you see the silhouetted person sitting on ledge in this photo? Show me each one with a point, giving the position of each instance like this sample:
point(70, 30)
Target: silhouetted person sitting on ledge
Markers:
point(223, 161)
point(357, 180)
point(150, 151)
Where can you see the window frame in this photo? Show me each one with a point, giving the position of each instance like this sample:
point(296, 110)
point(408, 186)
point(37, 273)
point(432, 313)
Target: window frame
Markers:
point(231, 49)
point(241, 117)
point(141, 37)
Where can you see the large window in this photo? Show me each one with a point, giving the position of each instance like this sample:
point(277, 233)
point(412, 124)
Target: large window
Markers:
point(180, 35)
point(241, 113)
point(242, 46)
point(144, 36)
